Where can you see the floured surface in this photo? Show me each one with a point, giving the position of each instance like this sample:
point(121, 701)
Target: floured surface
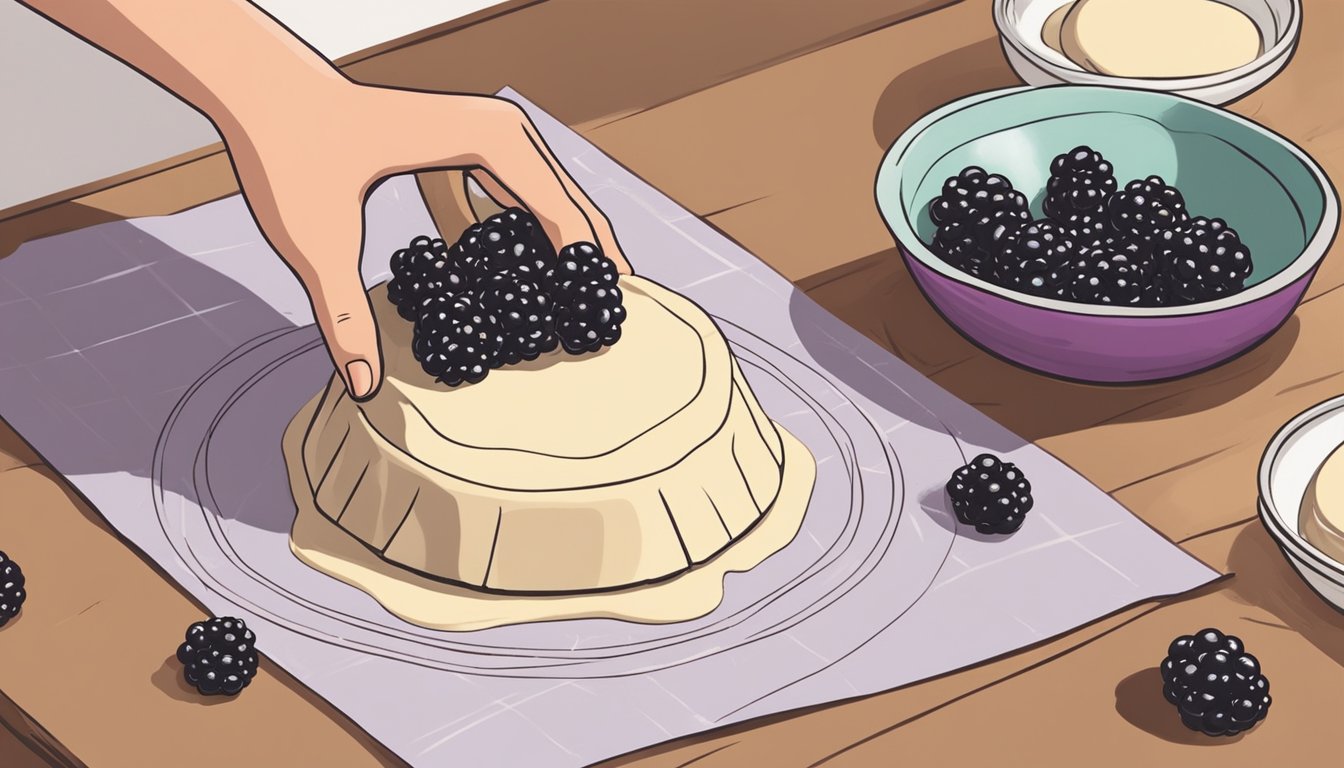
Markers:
point(181, 452)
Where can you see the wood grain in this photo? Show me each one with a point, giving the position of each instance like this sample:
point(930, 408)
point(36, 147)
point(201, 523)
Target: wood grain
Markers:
point(753, 124)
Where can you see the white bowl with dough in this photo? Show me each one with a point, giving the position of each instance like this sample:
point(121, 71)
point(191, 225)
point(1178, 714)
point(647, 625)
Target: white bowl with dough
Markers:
point(1021, 24)
point(1287, 477)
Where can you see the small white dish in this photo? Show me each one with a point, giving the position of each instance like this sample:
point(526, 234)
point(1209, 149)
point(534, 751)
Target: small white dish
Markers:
point(1020, 23)
point(1290, 462)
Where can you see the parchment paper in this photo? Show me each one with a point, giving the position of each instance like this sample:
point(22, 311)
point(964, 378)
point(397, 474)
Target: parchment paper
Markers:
point(155, 363)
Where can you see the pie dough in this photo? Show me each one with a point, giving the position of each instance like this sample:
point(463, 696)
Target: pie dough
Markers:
point(1322, 520)
point(564, 475)
point(1159, 38)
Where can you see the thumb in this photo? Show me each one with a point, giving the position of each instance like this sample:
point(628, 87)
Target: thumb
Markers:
point(346, 319)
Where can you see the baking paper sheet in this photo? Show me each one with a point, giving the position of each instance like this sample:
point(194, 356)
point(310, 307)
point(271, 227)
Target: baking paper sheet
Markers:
point(155, 363)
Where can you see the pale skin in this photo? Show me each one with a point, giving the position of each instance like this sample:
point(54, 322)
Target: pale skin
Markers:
point(308, 144)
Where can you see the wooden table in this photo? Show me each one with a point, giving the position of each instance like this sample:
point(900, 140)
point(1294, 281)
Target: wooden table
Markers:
point(751, 114)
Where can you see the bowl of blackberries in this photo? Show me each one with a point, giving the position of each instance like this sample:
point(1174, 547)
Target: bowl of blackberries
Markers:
point(1104, 234)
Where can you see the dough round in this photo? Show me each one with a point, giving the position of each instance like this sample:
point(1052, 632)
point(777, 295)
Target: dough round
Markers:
point(1159, 38)
point(1322, 519)
point(565, 474)
point(1053, 29)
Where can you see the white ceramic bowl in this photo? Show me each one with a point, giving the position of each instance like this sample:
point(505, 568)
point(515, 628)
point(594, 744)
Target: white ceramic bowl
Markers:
point(1020, 23)
point(1289, 464)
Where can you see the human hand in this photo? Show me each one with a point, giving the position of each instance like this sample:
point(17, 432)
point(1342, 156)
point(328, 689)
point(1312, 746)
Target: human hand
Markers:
point(307, 169)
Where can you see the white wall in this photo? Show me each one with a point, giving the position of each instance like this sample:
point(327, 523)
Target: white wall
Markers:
point(70, 114)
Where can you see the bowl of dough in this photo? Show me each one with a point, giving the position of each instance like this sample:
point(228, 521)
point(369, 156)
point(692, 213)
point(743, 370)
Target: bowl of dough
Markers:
point(1302, 496)
point(1177, 237)
point(1215, 51)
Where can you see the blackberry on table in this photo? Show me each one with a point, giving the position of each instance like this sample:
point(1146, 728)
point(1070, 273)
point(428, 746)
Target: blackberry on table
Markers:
point(1035, 260)
point(455, 340)
point(1080, 182)
point(579, 264)
point(524, 315)
point(12, 591)
point(1146, 208)
point(219, 656)
point(991, 494)
point(1114, 272)
point(591, 319)
point(966, 194)
point(1217, 686)
point(1203, 260)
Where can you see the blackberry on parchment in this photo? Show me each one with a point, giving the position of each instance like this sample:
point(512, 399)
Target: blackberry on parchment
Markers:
point(1217, 686)
point(991, 494)
point(219, 656)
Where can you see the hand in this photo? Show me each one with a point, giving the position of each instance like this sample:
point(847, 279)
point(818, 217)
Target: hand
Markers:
point(306, 171)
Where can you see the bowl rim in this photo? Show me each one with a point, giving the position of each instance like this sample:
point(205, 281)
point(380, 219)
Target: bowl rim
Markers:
point(1288, 538)
point(902, 231)
point(1285, 45)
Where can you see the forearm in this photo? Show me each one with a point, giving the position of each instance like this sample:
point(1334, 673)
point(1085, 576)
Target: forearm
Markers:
point(225, 57)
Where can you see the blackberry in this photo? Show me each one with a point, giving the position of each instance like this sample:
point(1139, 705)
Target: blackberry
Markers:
point(1087, 228)
point(967, 194)
point(991, 494)
point(1146, 208)
point(524, 315)
point(1001, 217)
point(578, 264)
point(1114, 271)
point(1203, 260)
point(423, 269)
point(512, 242)
point(957, 244)
point(12, 592)
point(1035, 258)
point(219, 656)
point(1080, 182)
point(455, 340)
point(591, 319)
point(1216, 685)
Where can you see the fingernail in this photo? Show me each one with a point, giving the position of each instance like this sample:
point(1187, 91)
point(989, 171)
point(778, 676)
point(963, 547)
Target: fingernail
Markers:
point(359, 378)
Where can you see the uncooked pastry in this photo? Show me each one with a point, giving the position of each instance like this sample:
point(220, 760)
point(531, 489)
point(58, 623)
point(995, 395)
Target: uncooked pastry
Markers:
point(1322, 520)
point(567, 474)
point(1159, 38)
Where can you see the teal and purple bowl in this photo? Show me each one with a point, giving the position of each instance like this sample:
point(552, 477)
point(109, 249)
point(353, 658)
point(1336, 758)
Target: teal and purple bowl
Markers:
point(1267, 189)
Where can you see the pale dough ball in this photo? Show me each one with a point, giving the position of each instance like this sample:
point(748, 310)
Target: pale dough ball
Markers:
point(1158, 38)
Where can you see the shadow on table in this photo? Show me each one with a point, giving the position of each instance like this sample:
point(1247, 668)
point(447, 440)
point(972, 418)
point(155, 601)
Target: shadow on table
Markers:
point(877, 296)
point(1265, 580)
point(923, 88)
point(1138, 699)
point(170, 679)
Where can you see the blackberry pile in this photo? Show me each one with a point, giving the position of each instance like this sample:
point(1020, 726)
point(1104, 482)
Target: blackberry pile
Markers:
point(1097, 244)
point(1216, 685)
point(501, 295)
point(991, 494)
point(219, 656)
point(12, 592)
